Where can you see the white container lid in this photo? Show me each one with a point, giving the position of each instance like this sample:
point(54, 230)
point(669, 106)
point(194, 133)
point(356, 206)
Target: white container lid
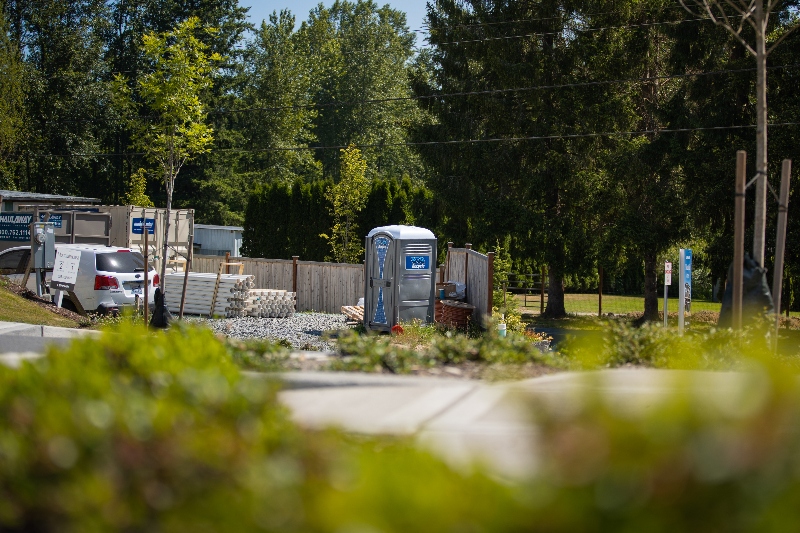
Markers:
point(404, 232)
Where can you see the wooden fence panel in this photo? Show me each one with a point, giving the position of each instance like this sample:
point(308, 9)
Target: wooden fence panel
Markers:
point(322, 287)
point(478, 284)
point(456, 262)
point(474, 273)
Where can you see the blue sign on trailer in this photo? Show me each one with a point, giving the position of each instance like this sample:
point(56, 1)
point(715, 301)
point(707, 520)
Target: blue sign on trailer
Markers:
point(137, 226)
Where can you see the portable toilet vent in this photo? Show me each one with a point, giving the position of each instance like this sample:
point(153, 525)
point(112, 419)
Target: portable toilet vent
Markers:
point(400, 284)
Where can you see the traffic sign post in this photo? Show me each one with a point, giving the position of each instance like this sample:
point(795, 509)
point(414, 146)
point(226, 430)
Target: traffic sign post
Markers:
point(667, 283)
point(684, 285)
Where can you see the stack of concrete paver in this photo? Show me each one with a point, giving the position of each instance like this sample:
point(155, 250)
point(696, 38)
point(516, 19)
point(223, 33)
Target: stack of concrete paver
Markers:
point(200, 291)
point(263, 303)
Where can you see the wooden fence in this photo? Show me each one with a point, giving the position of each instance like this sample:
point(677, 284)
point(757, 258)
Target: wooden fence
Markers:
point(476, 271)
point(321, 287)
point(326, 287)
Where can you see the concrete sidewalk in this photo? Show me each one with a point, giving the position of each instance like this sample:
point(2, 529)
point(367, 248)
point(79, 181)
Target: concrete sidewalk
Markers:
point(463, 421)
point(467, 421)
point(26, 341)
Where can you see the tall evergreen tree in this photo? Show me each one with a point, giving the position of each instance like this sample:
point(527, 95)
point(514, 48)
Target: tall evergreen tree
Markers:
point(66, 97)
point(12, 127)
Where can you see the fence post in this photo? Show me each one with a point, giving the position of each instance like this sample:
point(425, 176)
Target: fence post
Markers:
point(490, 283)
point(449, 247)
point(600, 293)
point(738, 240)
point(188, 265)
point(294, 274)
point(468, 246)
point(541, 294)
point(227, 260)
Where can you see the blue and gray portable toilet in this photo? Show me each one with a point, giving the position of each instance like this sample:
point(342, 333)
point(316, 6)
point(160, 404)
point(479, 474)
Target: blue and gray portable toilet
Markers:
point(400, 284)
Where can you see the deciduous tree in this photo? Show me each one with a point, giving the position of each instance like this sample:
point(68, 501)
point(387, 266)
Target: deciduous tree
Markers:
point(348, 197)
point(736, 16)
point(175, 131)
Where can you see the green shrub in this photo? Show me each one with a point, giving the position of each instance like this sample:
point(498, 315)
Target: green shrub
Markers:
point(141, 431)
point(654, 346)
point(426, 347)
point(373, 353)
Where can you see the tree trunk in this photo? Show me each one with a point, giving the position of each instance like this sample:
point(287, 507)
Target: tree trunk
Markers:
point(170, 179)
point(761, 135)
point(555, 294)
point(650, 288)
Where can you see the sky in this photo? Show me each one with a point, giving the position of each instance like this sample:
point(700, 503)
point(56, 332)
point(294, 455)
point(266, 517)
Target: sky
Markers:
point(260, 10)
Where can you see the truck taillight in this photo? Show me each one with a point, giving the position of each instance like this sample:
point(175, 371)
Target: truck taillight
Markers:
point(155, 280)
point(103, 283)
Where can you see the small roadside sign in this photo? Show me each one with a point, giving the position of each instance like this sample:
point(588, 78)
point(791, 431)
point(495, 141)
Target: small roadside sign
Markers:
point(65, 271)
point(667, 273)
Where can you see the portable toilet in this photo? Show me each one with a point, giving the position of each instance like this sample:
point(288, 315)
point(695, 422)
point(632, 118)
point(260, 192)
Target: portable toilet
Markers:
point(400, 284)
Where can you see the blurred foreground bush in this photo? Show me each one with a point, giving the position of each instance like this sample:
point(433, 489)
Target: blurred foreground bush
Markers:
point(144, 431)
point(621, 343)
point(720, 452)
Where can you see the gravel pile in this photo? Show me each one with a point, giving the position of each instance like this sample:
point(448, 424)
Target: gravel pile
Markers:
point(303, 330)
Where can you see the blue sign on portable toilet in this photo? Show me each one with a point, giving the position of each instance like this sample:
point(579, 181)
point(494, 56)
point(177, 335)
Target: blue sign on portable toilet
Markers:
point(400, 281)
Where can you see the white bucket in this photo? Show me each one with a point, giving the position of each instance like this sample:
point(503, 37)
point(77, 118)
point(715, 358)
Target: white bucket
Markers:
point(501, 330)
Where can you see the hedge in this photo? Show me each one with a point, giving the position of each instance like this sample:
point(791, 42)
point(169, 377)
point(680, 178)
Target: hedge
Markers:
point(283, 219)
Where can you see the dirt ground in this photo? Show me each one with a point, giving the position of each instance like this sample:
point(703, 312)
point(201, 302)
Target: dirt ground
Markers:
point(81, 321)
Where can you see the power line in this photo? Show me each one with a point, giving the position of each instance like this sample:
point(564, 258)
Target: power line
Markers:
point(464, 93)
point(522, 21)
point(565, 30)
point(451, 142)
point(501, 91)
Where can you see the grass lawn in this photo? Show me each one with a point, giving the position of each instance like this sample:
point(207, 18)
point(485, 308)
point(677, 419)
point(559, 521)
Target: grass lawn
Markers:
point(15, 308)
point(587, 304)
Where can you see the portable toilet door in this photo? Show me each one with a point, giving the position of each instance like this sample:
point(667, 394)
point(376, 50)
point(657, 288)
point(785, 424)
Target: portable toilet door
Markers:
point(379, 301)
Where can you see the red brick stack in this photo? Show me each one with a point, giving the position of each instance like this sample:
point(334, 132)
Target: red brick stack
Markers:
point(456, 313)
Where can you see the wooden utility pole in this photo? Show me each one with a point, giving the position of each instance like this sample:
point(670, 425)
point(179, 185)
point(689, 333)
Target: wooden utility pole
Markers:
point(780, 241)
point(738, 239)
point(146, 266)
